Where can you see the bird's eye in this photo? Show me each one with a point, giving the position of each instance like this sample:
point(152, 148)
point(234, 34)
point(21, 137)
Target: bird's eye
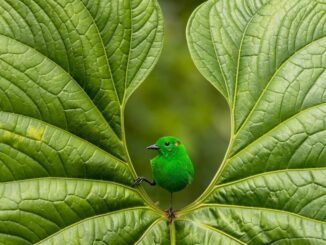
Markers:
point(167, 143)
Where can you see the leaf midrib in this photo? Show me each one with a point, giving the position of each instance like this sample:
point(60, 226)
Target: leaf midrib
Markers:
point(154, 223)
point(281, 124)
point(204, 226)
point(238, 67)
point(60, 129)
point(75, 84)
point(218, 60)
point(276, 72)
point(104, 49)
point(234, 182)
point(255, 208)
point(93, 217)
point(58, 178)
point(231, 106)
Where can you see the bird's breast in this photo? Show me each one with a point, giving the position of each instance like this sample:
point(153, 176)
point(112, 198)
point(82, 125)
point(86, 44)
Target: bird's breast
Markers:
point(171, 175)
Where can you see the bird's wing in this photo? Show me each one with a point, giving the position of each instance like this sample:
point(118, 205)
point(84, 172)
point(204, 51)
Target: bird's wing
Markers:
point(190, 171)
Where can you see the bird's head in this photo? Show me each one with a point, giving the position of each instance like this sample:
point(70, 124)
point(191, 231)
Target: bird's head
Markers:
point(167, 145)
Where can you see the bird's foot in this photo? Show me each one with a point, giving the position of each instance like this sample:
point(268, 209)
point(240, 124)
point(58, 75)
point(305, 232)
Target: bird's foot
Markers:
point(171, 214)
point(138, 181)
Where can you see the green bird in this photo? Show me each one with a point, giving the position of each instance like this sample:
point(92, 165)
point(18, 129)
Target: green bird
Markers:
point(172, 168)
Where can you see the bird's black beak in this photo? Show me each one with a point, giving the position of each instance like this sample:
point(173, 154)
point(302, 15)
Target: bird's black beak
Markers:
point(153, 147)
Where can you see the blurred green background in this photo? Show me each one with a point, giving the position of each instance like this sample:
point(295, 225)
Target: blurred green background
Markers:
point(176, 100)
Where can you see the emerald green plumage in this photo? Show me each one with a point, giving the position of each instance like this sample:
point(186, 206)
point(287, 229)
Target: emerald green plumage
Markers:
point(172, 168)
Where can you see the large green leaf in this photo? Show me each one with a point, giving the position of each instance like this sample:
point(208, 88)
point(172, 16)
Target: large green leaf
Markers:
point(267, 57)
point(67, 69)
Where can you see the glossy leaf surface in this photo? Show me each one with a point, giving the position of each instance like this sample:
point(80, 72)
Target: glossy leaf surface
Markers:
point(268, 59)
point(67, 69)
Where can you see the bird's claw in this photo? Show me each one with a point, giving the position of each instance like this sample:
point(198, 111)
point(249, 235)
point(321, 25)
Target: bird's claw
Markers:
point(171, 214)
point(138, 181)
